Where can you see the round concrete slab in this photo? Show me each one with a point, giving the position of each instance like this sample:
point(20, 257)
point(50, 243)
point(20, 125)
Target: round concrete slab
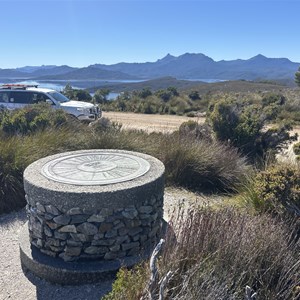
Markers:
point(95, 168)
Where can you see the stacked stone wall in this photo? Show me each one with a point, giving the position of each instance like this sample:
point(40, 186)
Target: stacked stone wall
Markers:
point(105, 234)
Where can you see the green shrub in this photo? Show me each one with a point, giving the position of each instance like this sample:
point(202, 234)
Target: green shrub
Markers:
point(129, 284)
point(76, 94)
point(242, 125)
point(30, 119)
point(278, 190)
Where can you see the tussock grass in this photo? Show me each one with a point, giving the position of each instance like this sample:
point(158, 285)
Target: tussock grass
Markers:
point(11, 175)
point(201, 164)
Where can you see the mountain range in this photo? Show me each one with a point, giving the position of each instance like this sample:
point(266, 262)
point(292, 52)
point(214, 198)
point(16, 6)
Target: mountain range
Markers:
point(186, 66)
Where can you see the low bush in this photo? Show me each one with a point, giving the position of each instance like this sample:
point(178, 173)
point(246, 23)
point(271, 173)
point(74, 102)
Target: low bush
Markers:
point(217, 253)
point(242, 124)
point(130, 284)
point(278, 190)
point(31, 119)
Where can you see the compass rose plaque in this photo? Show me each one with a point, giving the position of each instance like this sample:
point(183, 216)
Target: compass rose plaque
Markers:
point(95, 168)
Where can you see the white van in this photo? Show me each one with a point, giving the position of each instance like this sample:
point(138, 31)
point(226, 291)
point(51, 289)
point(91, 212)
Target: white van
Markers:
point(13, 96)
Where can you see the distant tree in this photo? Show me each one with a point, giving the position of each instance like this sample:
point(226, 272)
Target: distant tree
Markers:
point(68, 91)
point(82, 95)
point(125, 96)
point(297, 77)
point(145, 92)
point(76, 94)
point(164, 95)
point(194, 95)
point(100, 95)
point(173, 91)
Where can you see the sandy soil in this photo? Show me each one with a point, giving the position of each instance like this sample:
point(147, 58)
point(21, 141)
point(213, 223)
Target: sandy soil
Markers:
point(150, 123)
point(287, 154)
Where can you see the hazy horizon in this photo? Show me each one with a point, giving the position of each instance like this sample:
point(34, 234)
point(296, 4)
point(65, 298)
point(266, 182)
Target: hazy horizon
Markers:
point(44, 65)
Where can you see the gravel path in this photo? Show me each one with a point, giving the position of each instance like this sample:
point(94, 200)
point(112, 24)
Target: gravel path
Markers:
point(15, 285)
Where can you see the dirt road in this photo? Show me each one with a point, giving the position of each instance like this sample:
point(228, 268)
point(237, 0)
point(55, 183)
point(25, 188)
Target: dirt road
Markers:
point(150, 123)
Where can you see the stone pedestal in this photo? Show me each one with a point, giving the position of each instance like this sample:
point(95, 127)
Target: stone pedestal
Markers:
point(94, 205)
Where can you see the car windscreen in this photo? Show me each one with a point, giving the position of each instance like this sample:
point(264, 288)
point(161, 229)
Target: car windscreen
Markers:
point(59, 97)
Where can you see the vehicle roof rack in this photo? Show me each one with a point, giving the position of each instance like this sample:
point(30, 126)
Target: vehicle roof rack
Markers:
point(11, 86)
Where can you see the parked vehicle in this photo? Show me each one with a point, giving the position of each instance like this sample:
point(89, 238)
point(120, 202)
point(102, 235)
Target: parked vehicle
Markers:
point(13, 96)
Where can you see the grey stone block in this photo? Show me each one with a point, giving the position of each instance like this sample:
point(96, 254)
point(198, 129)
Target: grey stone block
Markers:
point(51, 209)
point(96, 218)
point(68, 228)
point(95, 250)
point(87, 228)
point(77, 219)
point(62, 220)
point(72, 251)
point(74, 211)
point(128, 246)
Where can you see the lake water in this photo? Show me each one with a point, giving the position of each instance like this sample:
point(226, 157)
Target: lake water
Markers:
point(59, 85)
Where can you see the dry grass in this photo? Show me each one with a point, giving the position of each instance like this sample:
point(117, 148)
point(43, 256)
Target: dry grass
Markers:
point(217, 253)
point(150, 123)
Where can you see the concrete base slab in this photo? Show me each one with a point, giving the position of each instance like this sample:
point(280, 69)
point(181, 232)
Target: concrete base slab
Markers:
point(58, 271)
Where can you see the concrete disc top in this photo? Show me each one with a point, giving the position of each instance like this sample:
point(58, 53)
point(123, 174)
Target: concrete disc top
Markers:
point(95, 167)
point(101, 175)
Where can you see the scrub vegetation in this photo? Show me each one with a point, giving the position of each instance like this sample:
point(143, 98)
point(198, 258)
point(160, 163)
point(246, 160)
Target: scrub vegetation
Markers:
point(218, 249)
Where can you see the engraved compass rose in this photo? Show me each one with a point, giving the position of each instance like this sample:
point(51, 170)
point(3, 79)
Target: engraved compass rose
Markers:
point(95, 168)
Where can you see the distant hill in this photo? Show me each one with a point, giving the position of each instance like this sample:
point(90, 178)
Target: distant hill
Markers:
point(186, 66)
point(52, 71)
point(8, 73)
point(200, 66)
point(90, 73)
point(30, 69)
point(236, 86)
point(153, 84)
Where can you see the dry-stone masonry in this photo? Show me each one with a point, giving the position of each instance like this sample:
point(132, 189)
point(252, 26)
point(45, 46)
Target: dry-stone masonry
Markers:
point(94, 204)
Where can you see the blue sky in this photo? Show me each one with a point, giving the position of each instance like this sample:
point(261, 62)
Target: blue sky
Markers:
point(83, 32)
